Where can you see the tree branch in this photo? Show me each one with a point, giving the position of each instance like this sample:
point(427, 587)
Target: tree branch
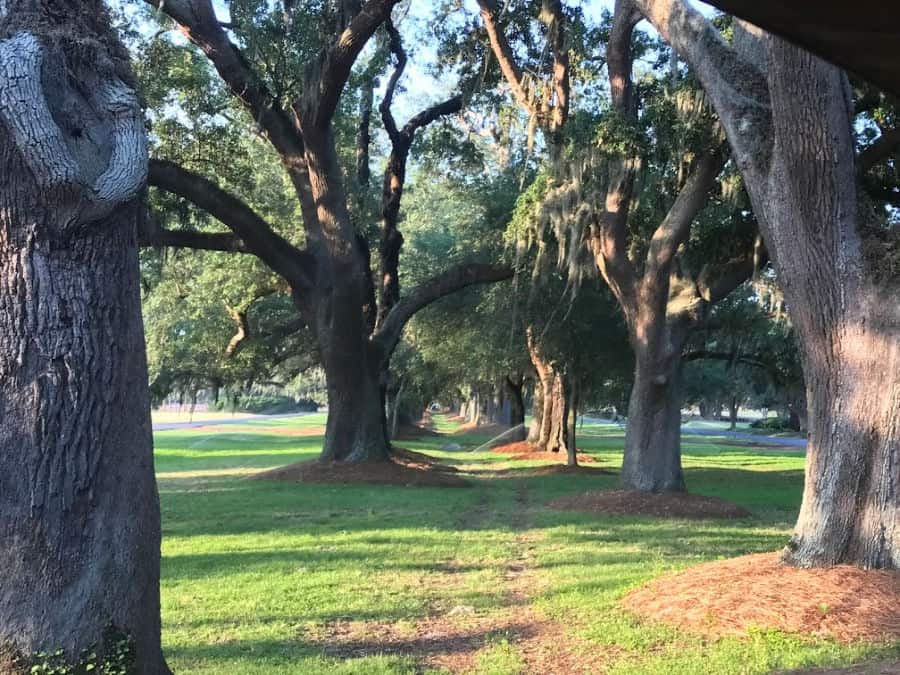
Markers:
point(608, 237)
point(201, 241)
point(321, 99)
point(242, 332)
point(258, 236)
point(736, 87)
point(450, 281)
point(197, 20)
point(879, 150)
point(731, 274)
point(504, 54)
point(553, 16)
point(676, 226)
point(396, 47)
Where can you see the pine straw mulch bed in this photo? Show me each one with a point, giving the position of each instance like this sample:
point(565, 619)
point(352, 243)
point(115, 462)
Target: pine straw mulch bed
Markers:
point(658, 505)
point(405, 468)
point(728, 597)
point(525, 451)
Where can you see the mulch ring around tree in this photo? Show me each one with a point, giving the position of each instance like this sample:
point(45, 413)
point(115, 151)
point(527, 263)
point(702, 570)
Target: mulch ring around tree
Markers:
point(729, 597)
point(525, 451)
point(405, 468)
point(658, 505)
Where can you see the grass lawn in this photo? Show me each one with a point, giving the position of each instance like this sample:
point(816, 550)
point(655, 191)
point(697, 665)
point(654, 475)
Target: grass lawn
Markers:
point(263, 578)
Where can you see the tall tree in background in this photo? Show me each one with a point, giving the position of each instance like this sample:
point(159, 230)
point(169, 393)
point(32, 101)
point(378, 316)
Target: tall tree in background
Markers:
point(624, 191)
point(356, 321)
point(79, 512)
point(790, 120)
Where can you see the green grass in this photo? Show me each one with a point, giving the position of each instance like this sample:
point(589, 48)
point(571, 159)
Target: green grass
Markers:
point(255, 572)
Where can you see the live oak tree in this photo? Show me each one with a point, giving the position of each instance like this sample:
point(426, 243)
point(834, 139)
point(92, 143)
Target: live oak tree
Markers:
point(356, 319)
point(626, 191)
point(789, 118)
point(79, 512)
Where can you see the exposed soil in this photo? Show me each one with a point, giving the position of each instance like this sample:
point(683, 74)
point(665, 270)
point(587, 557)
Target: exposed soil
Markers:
point(405, 468)
point(727, 597)
point(659, 505)
point(452, 638)
point(525, 451)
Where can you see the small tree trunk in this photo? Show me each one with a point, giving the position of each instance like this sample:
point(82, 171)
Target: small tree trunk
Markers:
point(571, 445)
point(733, 413)
point(537, 412)
point(395, 412)
point(517, 409)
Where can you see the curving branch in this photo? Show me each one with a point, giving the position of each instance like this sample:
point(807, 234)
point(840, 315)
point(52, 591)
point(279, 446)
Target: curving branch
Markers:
point(24, 111)
point(242, 331)
point(197, 20)
point(294, 265)
point(395, 44)
point(511, 71)
point(736, 86)
point(321, 97)
point(450, 281)
point(198, 241)
point(676, 226)
point(609, 236)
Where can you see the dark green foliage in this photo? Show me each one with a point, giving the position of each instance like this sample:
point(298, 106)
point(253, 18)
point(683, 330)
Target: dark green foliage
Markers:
point(113, 656)
point(774, 424)
point(268, 404)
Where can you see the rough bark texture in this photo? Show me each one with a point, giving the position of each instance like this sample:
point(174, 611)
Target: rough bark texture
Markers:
point(514, 385)
point(79, 512)
point(848, 325)
point(788, 117)
point(551, 433)
point(652, 460)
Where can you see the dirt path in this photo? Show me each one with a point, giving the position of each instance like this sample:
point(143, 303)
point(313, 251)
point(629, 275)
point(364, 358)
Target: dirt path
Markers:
point(454, 636)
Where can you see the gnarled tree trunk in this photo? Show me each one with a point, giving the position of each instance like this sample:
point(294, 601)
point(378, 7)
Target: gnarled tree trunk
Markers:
point(550, 434)
point(79, 511)
point(789, 120)
point(847, 321)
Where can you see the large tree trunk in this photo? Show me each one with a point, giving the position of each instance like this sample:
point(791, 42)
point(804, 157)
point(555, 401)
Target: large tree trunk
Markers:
point(652, 460)
point(356, 430)
point(848, 324)
point(79, 511)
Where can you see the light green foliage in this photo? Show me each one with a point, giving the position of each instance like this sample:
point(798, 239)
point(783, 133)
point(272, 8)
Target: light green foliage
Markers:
point(254, 573)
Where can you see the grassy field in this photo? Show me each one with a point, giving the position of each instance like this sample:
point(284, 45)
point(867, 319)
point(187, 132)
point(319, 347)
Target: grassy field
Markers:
point(262, 578)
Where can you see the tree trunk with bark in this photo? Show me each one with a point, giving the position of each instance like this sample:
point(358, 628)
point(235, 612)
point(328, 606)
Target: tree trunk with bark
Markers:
point(848, 323)
point(551, 433)
point(514, 385)
point(789, 119)
point(652, 460)
point(79, 511)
